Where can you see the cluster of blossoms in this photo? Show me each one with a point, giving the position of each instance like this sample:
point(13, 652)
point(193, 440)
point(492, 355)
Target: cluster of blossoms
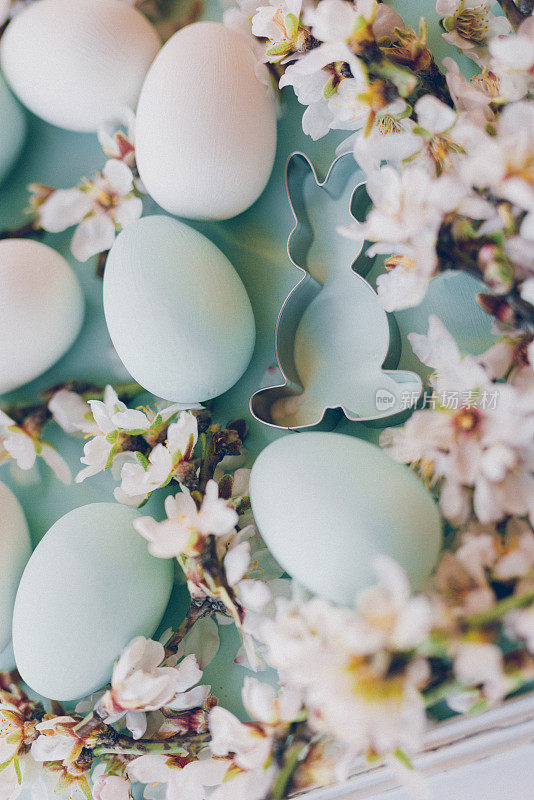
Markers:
point(356, 683)
point(456, 191)
point(100, 206)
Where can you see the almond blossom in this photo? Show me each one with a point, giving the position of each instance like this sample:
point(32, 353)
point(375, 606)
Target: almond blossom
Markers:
point(186, 526)
point(503, 163)
point(478, 444)
point(280, 24)
point(177, 777)
point(474, 96)
point(330, 79)
point(338, 660)
point(17, 444)
point(408, 210)
point(111, 787)
point(16, 736)
point(98, 207)
point(470, 24)
point(249, 745)
point(513, 60)
point(143, 476)
point(141, 682)
point(57, 740)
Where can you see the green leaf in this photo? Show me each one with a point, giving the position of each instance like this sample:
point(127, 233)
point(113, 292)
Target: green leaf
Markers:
point(330, 88)
point(17, 769)
point(143, 460)
point(292, 25)
point(278, 49)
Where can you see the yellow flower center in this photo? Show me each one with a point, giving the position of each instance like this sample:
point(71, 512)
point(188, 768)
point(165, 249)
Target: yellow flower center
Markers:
point(473, 24)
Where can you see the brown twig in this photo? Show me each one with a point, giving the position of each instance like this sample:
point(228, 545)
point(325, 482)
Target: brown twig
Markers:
point(26, 231)
point(512, 12)
point(195, 612)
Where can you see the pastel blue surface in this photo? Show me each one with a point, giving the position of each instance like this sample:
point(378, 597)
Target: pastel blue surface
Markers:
point(12, 129)
point(255, 243)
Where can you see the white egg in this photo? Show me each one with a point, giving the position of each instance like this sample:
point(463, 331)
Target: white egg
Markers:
point(41, 310)
point(88, 589)
point(206, 126)
point(15, 547)
point(74, 63)
point(12, 129)
point(177, 312)
point(327, 504)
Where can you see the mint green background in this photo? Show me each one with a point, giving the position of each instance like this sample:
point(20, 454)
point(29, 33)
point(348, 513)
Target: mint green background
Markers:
point(255, 242)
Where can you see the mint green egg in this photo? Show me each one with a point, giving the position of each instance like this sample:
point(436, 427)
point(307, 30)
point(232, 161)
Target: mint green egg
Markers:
point(177, 312)
point(326, 504)
point(88, 589)
point(15, 549)
point(12, 129)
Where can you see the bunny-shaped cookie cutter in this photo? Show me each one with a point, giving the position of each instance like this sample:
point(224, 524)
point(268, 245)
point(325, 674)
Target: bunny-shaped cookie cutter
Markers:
point(336, 347)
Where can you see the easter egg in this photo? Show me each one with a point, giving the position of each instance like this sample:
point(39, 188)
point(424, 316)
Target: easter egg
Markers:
point(15, 547)
point(88, 589)
point(75, 62)
point(41, 310)
point(177, 313)
point(327, 504)
point(206, 125)
point(12, 129)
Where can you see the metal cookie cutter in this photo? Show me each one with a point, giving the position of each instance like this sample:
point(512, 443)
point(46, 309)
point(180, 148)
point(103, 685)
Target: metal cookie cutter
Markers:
point(336, 347)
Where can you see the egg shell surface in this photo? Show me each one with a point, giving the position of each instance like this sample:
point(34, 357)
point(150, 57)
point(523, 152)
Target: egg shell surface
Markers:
point(74, 63)
point(15, 547)
point(88, 589)
point(41, 310)
point(177, 312)
point(206, 125)
point(326, 504)
point(12, 129)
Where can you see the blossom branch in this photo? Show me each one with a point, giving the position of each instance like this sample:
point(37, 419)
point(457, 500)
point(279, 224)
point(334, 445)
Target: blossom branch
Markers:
point(513, 13)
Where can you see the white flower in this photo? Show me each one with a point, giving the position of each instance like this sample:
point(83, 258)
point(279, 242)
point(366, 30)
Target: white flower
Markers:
point(186, 527)
point(264, 705)
point(513, 60)
point(139, 480)
point(117, 136)
point(57, 740)
point(98, 207)
point(111, 416)
point(469, 25)
point(335, 659)
point(316, 77)
point(390, 139)
point(503, 163)
point(72, 412)
point(479, 664)
point(140, 683)
point(112, 787)
point(279, 23)
point(250, 745)
point(181, 781)
point(15, 443)
point(478, 438)
point(408, 209)
point(472, 96)
point(394, 618)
